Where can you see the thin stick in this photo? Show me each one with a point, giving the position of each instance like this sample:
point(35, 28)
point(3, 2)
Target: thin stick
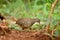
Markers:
point(50, 14)
point(4, 31)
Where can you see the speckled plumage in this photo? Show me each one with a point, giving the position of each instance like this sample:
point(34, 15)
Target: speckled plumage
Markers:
point(26, 22)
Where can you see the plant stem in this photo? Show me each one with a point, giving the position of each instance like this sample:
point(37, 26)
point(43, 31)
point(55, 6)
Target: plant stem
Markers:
point(50, 14)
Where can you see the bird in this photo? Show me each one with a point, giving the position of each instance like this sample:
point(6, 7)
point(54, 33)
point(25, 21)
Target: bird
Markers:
point(26, 23)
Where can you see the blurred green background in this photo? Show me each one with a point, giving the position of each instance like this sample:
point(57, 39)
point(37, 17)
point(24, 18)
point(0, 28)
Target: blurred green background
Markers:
point(31, 9)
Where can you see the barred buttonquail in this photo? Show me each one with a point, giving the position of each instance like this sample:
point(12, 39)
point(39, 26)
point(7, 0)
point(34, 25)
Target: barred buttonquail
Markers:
point(27, 22)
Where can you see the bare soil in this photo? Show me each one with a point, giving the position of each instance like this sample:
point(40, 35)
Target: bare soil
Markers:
point(25, 35)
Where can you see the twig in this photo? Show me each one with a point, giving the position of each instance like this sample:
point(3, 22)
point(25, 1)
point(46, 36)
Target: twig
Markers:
point(50, 14)
point(52, 9)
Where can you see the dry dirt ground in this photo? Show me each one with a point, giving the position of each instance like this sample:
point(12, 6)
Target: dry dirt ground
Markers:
point(25, 35)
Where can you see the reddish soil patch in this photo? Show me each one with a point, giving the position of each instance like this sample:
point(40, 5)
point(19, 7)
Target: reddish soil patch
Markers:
point(24, 35)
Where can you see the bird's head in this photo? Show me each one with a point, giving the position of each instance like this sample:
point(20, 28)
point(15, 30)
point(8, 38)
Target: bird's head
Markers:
point(36, 20)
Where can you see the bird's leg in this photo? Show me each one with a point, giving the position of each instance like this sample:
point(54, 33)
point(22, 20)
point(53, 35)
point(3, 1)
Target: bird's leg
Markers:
point(26, 29)
point(23, 28)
